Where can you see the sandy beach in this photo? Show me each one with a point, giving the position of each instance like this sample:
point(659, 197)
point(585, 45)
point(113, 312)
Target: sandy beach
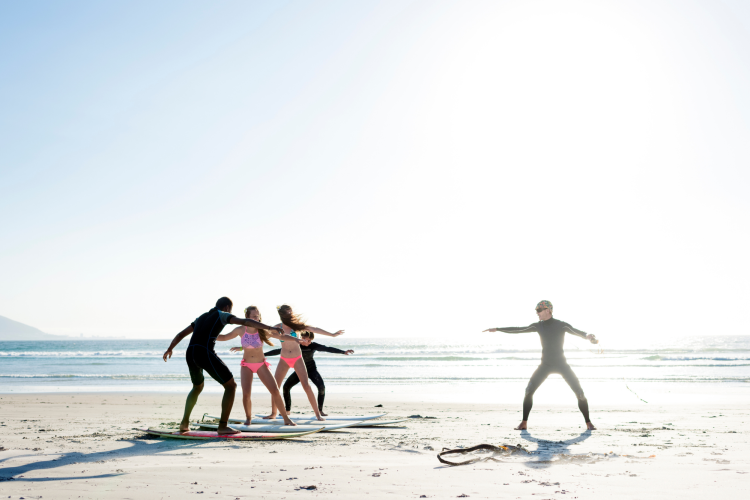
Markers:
point(84, 446)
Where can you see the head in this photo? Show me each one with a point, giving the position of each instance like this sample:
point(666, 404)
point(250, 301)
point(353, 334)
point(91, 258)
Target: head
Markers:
point(252, 312)
point(308, 336)
point(224, 304)
point(290, 319)
point(544, 310)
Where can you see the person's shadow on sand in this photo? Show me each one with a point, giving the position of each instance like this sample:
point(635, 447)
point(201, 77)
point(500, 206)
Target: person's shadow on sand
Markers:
point(140, 446)
point(546, 450)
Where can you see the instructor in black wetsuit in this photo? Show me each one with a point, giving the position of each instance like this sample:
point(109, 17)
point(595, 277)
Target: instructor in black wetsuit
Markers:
point(552, 334)
point(200, 355)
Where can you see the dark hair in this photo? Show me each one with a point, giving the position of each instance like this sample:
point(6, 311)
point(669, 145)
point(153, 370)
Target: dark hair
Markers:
point(290, 319)
point(223, 302)
point(309, 335)
point(261, 333)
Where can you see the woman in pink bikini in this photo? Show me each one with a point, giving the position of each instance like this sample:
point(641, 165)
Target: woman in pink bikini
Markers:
point(291, 357)
point(254, 361)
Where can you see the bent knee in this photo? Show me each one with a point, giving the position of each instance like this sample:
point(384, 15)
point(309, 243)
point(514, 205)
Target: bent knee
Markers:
point(198, 387)
point(581, 396)
point(232, 385)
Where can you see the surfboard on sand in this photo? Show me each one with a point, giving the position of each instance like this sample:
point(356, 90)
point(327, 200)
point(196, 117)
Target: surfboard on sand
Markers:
point(360, 423)
point(315, 422)
point(242, 436)
point(332, 417)
point(265, 426)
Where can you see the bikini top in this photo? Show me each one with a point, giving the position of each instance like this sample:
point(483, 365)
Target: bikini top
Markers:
point(293, 334)
point(251, 339)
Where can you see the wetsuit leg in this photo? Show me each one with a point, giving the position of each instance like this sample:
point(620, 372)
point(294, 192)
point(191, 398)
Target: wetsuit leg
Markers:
point(315, 378)
point(290, 382)
point(196, 372)
point(200, 358)
point(570, 377)
point(539, 376)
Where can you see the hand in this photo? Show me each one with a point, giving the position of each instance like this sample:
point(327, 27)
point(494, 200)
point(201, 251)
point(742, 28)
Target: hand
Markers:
point(592, 338)
point(279, 330)
point(236, 349)
point(303, 341)
point(340, 332)
point(490, 330)
point(350, 351)
point(167, 354)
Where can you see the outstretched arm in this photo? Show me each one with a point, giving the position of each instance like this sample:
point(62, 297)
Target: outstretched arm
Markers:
point(514, 329)
point(323, 332)
point(178, 338)
point(279, 334)
point(274, 352)
point(230, 335)
point(253, 324)
point(324, 348)
point(581, 333)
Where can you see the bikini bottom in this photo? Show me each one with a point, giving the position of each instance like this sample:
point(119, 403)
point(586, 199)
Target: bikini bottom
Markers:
point(254, 367)
point(290, 361)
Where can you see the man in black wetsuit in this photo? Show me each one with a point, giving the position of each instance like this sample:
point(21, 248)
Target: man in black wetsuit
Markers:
point(200, 355)
point(552, 334)
point(308, 351)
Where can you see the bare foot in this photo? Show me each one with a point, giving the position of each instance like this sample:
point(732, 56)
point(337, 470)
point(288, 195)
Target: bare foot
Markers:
point(320, 417)
point(324, 414)
point(225, 430)
point(288, 422)
point(248, 421)
point(271, 416)
point(184, 426)
point(590, 426)
point(522, 426)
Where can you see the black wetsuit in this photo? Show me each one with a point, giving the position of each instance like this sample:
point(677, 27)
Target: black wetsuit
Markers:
point(552, 334)
point(200, 354)
point(312, 372)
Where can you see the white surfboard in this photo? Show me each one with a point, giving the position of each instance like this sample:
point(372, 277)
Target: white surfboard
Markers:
point(279, 428)
point(373, 423)
point(318, 423)
point(332, 417)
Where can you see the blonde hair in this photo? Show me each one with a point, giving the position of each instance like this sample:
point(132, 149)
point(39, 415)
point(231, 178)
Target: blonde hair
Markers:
point(261, 333)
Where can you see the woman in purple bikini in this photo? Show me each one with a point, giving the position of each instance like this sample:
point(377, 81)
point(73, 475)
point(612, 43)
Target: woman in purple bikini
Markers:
point(254, 361)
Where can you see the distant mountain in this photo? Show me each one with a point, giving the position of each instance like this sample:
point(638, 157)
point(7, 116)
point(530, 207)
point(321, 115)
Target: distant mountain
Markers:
point(13, 330)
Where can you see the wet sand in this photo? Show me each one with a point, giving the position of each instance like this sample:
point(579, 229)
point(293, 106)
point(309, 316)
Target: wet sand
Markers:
point(84, 446)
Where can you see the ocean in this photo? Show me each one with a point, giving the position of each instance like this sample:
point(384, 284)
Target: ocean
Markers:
point(478, 368)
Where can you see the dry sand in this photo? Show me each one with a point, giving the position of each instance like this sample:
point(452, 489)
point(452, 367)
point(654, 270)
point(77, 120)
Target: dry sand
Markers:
point(83, 446)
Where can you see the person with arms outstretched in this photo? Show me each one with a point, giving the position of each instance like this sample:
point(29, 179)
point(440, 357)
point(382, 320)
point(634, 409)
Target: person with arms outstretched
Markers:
point(552, 334)
point(200, 355)
point(291, 355)
point(308, 351)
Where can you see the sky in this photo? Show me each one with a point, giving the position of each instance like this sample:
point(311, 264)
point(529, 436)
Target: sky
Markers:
point(394, 168)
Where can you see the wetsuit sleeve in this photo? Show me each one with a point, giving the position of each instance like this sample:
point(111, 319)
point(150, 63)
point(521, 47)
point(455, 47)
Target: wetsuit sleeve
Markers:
point(518, 329)
point(274, 352)
point(575, 331)
point(224, 317)
point(324, 348)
